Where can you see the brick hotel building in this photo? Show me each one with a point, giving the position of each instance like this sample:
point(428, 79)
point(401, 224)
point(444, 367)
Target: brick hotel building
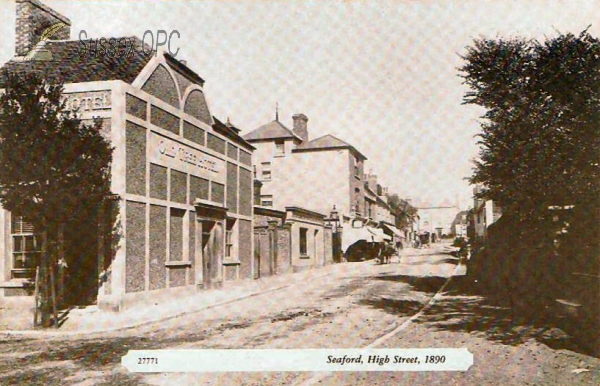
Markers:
point(180, 217)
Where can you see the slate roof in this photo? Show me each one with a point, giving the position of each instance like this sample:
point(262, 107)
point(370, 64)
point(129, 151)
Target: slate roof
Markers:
point(328, 142)
point(72, 64)
point(272, 130)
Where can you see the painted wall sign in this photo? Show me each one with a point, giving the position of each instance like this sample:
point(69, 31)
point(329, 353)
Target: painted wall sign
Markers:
point(87, 101)
point(167, 152)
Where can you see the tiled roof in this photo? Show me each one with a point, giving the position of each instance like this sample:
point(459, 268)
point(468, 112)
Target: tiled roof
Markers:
point(328, 142)
point(71, 64)
point(272, 130)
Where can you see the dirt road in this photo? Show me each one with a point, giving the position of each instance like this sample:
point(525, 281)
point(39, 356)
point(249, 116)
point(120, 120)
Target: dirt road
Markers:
point(356, 305)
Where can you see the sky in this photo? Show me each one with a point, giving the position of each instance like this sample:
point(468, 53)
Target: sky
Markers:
point(380, 75)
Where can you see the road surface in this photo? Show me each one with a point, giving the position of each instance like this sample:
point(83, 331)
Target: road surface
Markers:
point(352, 308)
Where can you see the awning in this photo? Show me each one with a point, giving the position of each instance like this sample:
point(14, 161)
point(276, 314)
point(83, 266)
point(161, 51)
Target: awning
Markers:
point(394, 230)
point(351, 235)
point(378, 235)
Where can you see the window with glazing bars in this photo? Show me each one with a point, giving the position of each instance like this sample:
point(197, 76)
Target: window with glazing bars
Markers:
point(26, 247)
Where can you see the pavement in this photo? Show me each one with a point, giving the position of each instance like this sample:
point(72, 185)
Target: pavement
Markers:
point(92, 320)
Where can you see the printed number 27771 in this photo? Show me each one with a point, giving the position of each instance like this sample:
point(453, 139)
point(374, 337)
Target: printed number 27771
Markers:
point(147, 361)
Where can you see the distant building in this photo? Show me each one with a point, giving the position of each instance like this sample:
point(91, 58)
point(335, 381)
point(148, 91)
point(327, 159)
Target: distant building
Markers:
point(437, 220)
point(323, 175)
point(313, 174)
point(461, 224)
point(485, 213)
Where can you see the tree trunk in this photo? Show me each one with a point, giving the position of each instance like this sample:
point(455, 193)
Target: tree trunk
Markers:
point(50, 251)
point(44, 287)
point(53, 293)
point(36, 296)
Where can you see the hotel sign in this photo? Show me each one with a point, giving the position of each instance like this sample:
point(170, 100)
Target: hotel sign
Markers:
point(87, 101)
point(167, 152)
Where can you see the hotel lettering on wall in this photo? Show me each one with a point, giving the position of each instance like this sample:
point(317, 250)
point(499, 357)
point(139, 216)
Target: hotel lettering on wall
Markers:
point(170, 153)
point(87, 101)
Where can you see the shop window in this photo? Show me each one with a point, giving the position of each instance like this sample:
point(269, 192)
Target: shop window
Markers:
point(279, 147)
point(266, 170)
point(26, 248)
point(303, 241)
point(266, 200)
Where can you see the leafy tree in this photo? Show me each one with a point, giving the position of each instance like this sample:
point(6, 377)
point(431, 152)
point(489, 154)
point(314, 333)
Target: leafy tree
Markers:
point(540, 147)
point(53, 166)
point(540, 136)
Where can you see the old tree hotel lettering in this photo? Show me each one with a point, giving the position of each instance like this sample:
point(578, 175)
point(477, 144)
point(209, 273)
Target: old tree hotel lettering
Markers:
point(167, 152)
point(174, 150)
point(87, 101)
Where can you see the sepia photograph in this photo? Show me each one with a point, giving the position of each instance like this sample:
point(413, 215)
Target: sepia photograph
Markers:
point(299, 192)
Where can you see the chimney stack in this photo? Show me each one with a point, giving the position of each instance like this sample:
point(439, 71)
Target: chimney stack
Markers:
point(35, 18)
point(372, 181)
point(300, 126)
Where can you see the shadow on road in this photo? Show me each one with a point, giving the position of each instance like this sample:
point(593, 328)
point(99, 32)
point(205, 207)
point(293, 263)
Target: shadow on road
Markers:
point(464, 309)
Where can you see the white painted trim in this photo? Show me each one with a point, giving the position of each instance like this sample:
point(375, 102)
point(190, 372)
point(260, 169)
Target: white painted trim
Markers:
point(147, 71)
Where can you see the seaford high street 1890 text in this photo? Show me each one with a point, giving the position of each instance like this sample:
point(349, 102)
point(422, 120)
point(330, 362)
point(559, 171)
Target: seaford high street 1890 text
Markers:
point(378, 359)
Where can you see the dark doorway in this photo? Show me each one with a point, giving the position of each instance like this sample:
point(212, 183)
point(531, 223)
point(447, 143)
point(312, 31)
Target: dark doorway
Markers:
point(212, 238)
point(336, 245)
